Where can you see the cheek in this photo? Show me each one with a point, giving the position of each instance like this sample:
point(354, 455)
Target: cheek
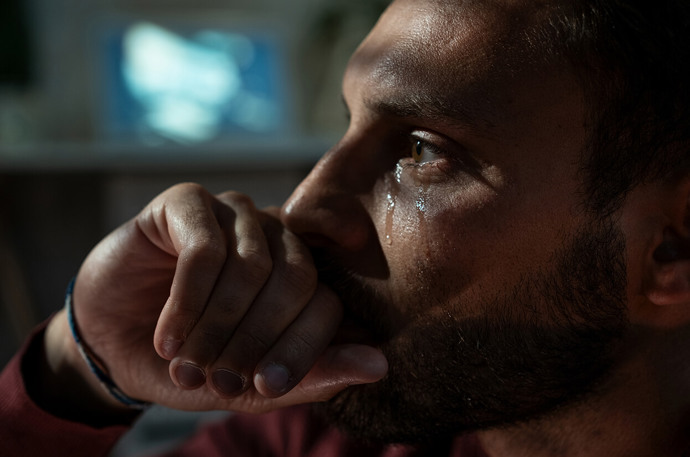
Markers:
point(464, 248)
point(435, 247)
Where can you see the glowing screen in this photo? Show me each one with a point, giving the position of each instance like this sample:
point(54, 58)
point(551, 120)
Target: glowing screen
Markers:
point(192, 87)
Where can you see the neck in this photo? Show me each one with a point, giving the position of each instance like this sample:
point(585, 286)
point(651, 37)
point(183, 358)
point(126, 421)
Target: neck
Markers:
point(641, 410)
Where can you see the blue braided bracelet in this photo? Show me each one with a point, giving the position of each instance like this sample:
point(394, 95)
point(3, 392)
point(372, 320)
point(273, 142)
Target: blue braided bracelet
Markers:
point(94, 363)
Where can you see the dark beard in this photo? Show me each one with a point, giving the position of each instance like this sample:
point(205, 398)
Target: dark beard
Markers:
point(544, 345)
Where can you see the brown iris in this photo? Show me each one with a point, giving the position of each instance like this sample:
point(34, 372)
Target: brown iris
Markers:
point(417, 151)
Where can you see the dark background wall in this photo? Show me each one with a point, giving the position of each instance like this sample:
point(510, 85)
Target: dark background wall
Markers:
point(63, 186)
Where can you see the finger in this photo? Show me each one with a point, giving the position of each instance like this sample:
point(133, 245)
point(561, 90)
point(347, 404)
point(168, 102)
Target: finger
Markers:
point(299, 347)
point(189, 221)
point(288, 290)
point(246, 269)
point(336, 369)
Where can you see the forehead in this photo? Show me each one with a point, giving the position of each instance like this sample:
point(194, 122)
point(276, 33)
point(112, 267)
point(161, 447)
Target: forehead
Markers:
point(460, 28)
point(453, 52)
point(468, 71)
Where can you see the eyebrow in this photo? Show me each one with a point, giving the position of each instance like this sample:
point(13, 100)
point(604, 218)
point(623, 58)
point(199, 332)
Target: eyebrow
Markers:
point(450, 112)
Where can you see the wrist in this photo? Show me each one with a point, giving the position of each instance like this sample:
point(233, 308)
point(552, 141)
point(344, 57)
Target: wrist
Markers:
point(62, 384)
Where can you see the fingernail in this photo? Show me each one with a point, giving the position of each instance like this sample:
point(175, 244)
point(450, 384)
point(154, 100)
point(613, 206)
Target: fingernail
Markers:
point(276, 377)
point(228, 382)
point(170, 348)
point(190, 376)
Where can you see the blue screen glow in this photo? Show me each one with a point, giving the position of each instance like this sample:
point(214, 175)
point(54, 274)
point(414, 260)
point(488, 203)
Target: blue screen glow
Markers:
point(193, 87)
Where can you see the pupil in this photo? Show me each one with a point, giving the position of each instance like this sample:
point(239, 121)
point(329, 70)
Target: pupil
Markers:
point(418, 150)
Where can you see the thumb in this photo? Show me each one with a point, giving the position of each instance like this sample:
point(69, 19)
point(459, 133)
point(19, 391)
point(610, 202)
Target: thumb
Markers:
point(338, 368)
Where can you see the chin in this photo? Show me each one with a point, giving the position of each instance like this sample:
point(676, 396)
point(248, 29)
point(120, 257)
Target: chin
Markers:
point(446, 380)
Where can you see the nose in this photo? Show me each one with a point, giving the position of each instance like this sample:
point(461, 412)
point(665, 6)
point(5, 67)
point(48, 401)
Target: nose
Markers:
point(329, 208)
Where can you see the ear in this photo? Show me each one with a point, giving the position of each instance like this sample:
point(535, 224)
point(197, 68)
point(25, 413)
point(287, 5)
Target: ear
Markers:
point(670, 270)
point(667, 281)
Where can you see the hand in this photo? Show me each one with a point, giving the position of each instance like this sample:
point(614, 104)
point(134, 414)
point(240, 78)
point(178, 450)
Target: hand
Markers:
point(204, 302)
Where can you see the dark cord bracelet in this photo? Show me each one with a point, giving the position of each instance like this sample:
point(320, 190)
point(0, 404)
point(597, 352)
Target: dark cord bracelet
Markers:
point(94, 363)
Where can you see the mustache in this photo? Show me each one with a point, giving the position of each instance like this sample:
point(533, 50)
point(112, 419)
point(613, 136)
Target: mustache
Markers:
point(362, 303)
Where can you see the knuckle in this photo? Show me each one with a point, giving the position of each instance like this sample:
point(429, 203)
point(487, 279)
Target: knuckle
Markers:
point(300, 342)
point(253, 339)
point(207, 249)
point(236, 199)
point(177, 327)
point(187, 188)
point(193, 187)
point(300, 277)
point(182, 314)
point(278, 310)
point(214, 336)
point(228, 310)
point(257, 266)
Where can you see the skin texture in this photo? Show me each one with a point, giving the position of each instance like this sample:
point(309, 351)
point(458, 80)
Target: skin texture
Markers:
point(448, 228)
point(466, 315)
point(157, 275)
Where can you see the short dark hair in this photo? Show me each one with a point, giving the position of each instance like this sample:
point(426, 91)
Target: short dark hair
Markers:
point(633, 60)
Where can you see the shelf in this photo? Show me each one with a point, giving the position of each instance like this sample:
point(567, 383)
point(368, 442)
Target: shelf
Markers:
point(118, 158)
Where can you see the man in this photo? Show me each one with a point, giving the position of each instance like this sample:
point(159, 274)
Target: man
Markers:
point(504, 227)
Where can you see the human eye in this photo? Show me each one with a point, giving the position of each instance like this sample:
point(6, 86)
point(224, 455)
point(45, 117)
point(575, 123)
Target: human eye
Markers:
point(428, 157)
point(424, 152)
point(432, 157)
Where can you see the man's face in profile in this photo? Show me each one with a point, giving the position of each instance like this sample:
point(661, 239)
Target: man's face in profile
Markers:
point(449, 219)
